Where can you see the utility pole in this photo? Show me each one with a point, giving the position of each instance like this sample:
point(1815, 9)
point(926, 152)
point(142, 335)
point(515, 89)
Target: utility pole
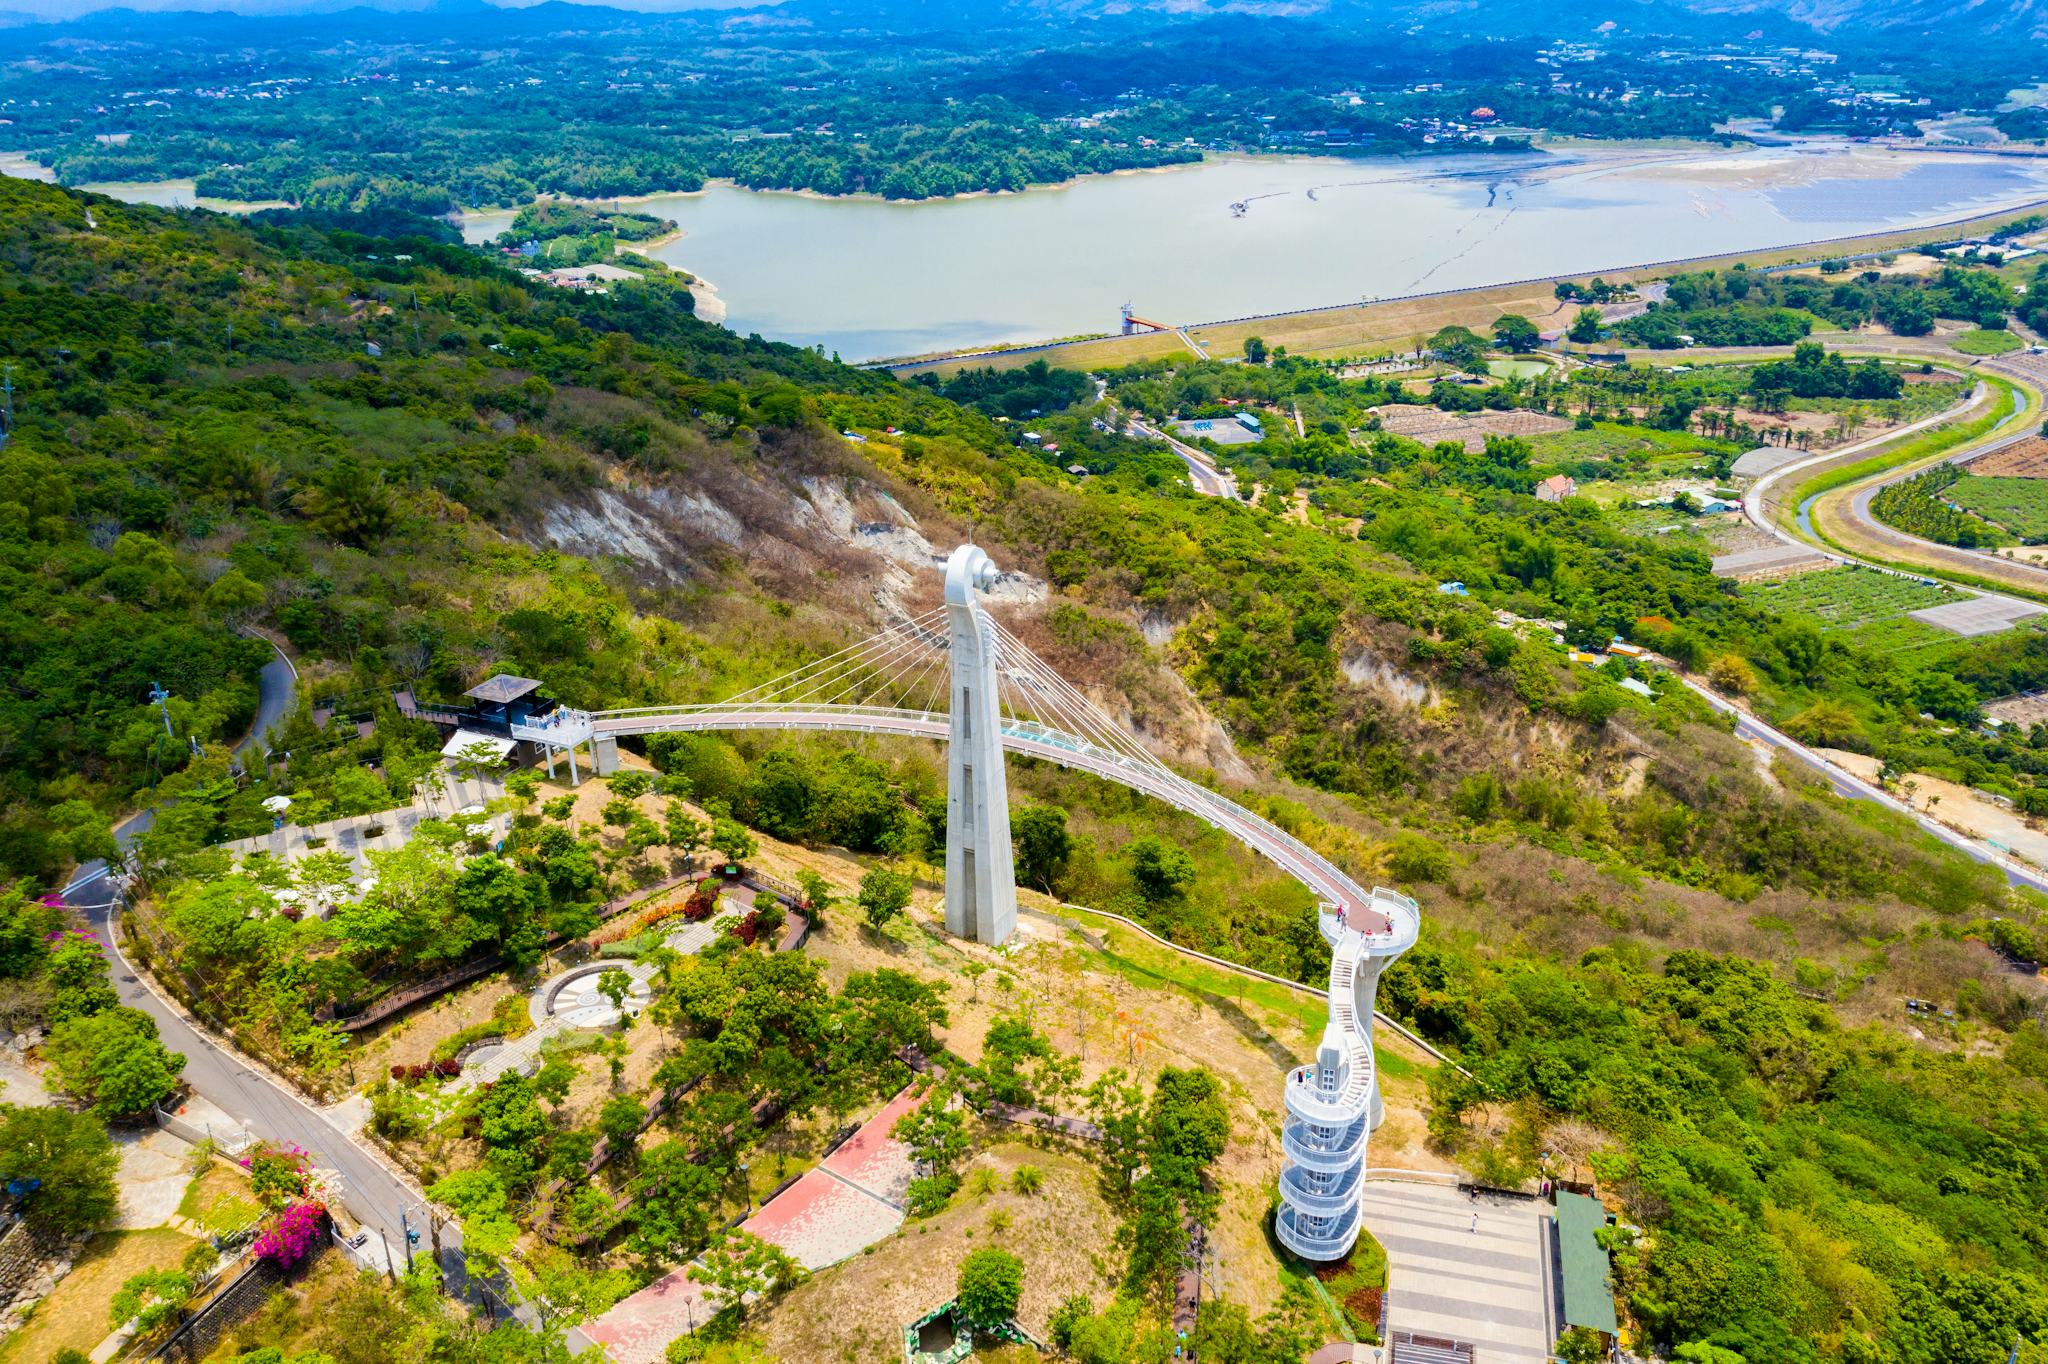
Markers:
point(160, 696)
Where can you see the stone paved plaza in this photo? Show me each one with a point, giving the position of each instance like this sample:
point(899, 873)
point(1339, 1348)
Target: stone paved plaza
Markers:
point(1484, 1288)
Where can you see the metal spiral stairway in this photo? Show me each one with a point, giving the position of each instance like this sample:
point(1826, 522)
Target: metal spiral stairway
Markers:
point(1333, 1104)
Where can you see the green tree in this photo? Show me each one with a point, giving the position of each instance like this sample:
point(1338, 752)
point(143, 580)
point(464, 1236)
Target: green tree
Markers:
point(684, 831)
point(936, 1133)
point(1581, 1346)
point(619, 1121)
point(113, 1061)
point(25, 928)
point(234, 596)
point(1732, 673)
point(1459, 346)
point(1826, 724)
point(740, 1265)
point(1163, 871)
point(513, 1128)
point(731, 838)
point(1513, 332)
point(150, 1299)
point(672, 1201)
point(615, 985)
point(1043, 845)
point(1588, 326)
point(817, 892)
point(71, 1157)
point(991, 1283)
point(884, 896)
point(1255, 350)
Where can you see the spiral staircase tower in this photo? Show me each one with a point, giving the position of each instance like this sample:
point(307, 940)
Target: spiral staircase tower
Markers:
point(1333, 1103)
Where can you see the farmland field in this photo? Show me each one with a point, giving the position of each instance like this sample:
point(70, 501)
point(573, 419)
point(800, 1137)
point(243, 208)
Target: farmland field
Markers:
point(2022, 459)
point(1610, 440)
point(1845, 598)
point(1867, 606)
point(2018, 504)
point(1987, 342)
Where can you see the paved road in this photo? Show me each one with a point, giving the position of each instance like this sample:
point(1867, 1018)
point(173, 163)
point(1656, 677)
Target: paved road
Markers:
point(1206, 477)
point(276, 692)
point(272, 1110)
point(1850, 786)
point(277, 685)
point(1957, 560)
point(264, 1105)
point(1844, 782)
point(269, 1107)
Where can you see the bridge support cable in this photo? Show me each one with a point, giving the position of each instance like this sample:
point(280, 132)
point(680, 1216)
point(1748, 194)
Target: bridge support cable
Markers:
point(955, 673)
point(890, 668)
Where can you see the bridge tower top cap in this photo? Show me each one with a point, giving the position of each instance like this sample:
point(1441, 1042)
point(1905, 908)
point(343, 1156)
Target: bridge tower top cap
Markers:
point(969, 570)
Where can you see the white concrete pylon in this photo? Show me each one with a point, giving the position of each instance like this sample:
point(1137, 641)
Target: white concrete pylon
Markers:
point(981, 878)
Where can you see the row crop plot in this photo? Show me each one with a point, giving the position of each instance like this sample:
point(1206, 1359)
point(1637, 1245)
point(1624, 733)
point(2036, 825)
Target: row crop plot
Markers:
point(1844, 599)
point(2018, 504)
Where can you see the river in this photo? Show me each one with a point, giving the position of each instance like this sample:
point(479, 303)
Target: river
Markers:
point(867, 278)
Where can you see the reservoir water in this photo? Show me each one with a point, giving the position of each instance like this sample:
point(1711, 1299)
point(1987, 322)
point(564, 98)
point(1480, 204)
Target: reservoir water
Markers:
point(868, 278)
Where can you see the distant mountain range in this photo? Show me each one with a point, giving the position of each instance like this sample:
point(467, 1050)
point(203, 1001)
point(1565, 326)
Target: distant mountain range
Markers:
point(1859, 21)
point(1964, 18)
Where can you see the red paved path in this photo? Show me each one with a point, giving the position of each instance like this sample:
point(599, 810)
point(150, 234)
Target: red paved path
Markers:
point(837, 1210)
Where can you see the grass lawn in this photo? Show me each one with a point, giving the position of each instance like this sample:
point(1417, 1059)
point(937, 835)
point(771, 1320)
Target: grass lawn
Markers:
point(219, 1200)
point(1998, 342)
point(1356, 1284)
point(1143, 962)
point(75, 1315)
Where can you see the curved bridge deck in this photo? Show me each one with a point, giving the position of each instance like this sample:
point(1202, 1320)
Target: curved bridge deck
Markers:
point(1331, 886)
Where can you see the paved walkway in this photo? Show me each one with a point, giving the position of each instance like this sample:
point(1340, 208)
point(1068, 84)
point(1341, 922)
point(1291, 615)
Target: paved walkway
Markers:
point(852, 1200)
point(1485, 1288)
point(576, 1005)
point(353, 833)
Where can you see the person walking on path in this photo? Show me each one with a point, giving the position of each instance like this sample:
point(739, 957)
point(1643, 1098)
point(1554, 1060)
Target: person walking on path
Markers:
point(1475, 1224)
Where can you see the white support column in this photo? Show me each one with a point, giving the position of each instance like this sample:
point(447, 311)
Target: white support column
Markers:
point(981, 879)
point(604, 754)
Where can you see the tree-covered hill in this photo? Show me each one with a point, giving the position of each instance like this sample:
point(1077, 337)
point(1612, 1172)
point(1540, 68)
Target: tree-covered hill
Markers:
point(413, 468)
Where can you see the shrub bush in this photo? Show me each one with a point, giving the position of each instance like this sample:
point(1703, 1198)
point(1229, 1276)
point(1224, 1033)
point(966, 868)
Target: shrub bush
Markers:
point(294, 1236)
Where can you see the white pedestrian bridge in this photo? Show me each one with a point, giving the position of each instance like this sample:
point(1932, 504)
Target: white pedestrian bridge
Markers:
point(956, 674)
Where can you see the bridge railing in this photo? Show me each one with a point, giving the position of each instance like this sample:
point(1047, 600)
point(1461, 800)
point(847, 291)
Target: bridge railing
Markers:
point(1029, 736)
point(628, 721)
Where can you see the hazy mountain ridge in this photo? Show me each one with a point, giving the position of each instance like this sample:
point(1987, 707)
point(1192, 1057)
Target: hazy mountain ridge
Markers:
point(1710, 19)
point(1989, 18)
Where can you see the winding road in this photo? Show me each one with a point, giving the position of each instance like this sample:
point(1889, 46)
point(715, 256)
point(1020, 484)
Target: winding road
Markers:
point(270, 1107)
point(2030, 376)
point(1208, 480)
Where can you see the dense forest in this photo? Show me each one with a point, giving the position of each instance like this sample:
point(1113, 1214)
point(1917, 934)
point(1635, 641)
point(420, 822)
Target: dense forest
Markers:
point(204, 446)
point(451, 107)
